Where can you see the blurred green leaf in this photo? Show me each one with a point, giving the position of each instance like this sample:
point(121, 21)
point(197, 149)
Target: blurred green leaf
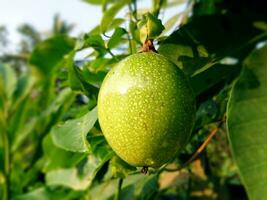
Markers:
point(212, 76)
point(23, 87)
point(94, 41)
point(99, 146)
point(8, 82)
point(73, 80)
point(68, 178)
point(57, 158)
point(71, 135)
point(115, 23)
point(46, 193)
point(109, 14)
point(81, 79)
point(170, 23)
point(206, 113)
point(120, 169)
point(116, 37)
point(135, 187)
point(77, 178)
point(64, 97)
point(247, 117)
point(96, 2)
point(48, 53)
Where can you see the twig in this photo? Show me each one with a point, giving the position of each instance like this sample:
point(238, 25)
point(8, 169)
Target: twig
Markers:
point(199, 150)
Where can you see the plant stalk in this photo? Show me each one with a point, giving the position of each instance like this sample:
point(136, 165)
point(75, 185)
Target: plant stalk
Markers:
point(118, 193)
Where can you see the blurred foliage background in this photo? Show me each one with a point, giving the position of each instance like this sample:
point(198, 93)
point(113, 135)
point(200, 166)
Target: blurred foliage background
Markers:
point(51, 145)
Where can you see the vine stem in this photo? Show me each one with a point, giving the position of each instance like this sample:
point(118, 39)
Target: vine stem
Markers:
point(199, 150)
point(118, 193)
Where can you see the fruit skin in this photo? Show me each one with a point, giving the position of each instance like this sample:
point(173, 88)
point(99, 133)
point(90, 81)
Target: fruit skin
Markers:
point(146, 109)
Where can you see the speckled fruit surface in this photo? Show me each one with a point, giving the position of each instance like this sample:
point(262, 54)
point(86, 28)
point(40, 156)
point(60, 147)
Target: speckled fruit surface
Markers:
point(146, 109)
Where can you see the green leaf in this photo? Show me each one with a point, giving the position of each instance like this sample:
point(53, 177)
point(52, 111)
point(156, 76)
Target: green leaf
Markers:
point(81, 79)
point(109, 14)
point(68, 178)
point(115, 23)
point(8, 81)
point(212, 76)
point(195, 46)
point(95, 2)
point(48, 53)
point(94, 41)
point(150, 27)
point(133, 188)
point(46, 193)
point(186, 56)
point(57, 158)
point(71, 135)
point(171, 22)
point(120, 168)
point(77, 178)
point(116, 37)
point(73, 80)
point(247, 123)
point(64, 97)
point(23, 88)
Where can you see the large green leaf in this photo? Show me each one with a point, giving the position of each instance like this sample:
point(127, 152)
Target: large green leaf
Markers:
point(50, 52)
point(247, 124)
point(71, 135)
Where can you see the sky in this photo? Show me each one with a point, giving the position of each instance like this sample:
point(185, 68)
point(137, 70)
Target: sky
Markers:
point(40, 14)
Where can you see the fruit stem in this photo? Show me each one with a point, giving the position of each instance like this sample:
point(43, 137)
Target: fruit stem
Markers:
point(148, 46)
point(144, 170)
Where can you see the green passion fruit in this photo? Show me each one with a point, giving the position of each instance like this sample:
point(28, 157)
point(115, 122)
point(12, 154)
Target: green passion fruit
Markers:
point(146, 109)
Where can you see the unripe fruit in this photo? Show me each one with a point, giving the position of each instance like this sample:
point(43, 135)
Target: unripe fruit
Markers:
point(146, 109)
